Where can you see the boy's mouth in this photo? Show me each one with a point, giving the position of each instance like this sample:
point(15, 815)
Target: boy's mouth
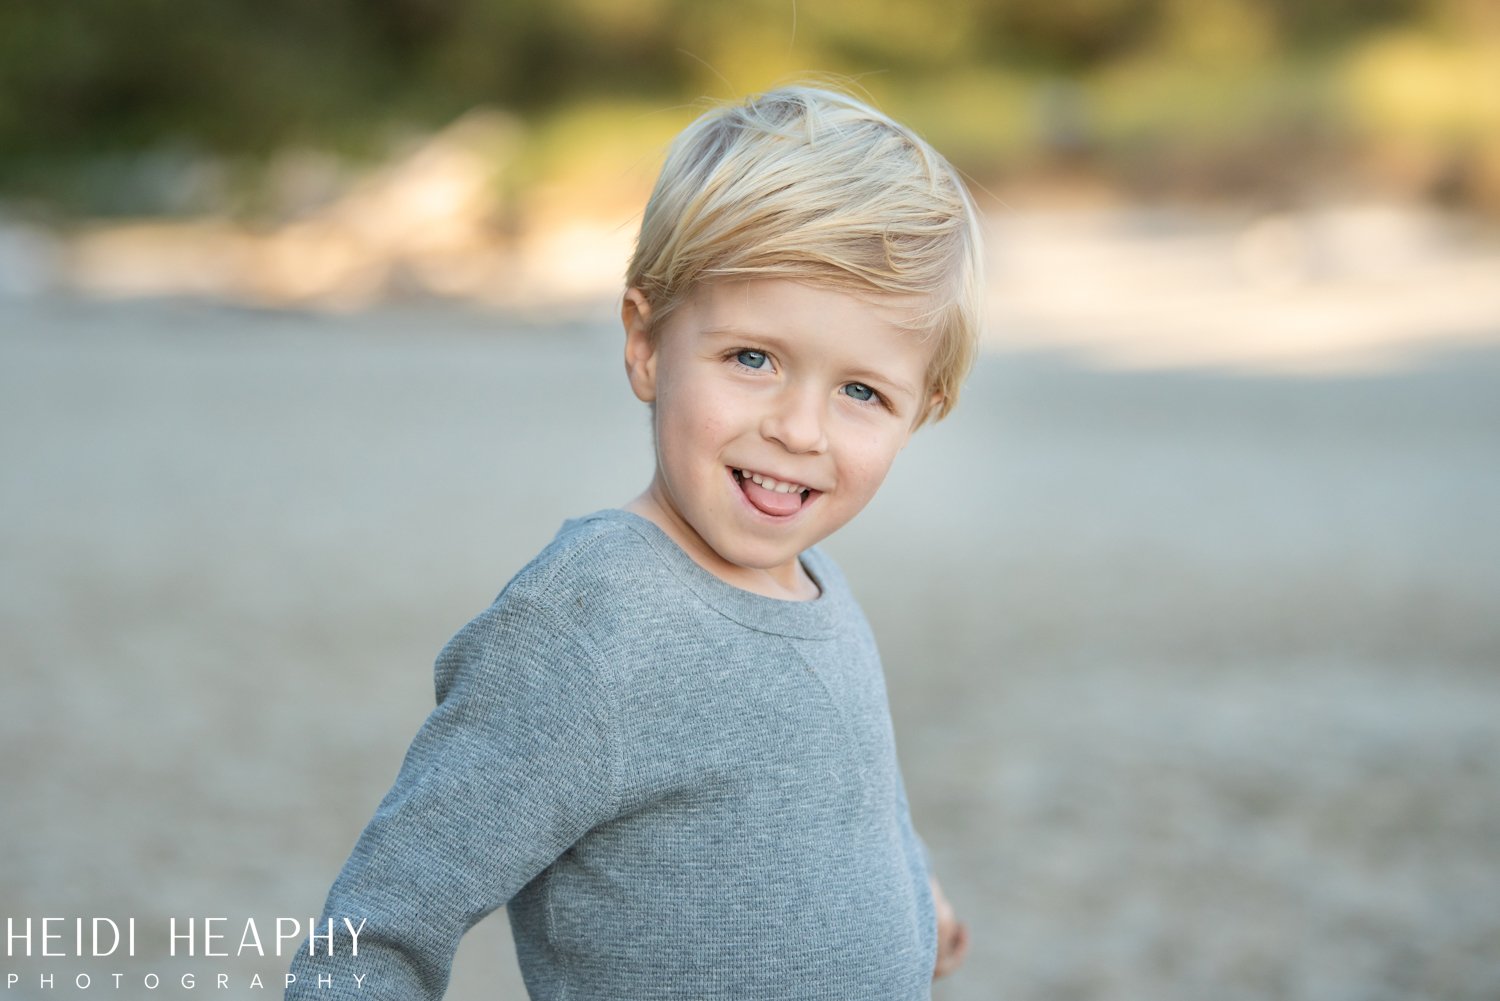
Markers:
point(778, 498)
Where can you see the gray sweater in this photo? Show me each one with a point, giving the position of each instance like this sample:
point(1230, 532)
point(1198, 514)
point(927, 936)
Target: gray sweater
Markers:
point(681, 789)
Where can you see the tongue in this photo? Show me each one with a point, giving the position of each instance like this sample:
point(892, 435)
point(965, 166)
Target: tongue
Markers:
point(770, 501)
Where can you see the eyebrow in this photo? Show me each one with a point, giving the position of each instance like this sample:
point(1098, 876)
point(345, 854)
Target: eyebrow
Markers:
point(728, 331)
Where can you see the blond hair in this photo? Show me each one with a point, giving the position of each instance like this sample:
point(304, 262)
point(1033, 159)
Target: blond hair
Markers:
point(815, 186)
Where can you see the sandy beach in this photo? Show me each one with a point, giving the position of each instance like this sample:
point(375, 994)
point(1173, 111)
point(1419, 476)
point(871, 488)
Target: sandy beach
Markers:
point(1194, 667)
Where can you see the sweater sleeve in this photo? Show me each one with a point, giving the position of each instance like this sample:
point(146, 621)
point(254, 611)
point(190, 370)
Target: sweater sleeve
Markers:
point(515, 764)
point(905, 808)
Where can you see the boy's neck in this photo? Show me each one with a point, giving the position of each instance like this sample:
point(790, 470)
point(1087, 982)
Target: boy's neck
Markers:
point(791, 583)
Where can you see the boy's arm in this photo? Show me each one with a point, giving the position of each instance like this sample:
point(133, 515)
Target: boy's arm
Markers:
point(905, 811)
point(952, 934)
point(514, 765)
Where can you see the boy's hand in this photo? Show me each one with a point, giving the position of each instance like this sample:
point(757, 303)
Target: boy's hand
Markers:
point(952, 934)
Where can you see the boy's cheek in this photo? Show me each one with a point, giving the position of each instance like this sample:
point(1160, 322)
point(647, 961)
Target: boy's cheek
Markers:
point(872, 467)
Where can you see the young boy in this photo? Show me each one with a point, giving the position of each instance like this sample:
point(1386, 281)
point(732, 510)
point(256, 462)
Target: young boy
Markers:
point(666, 747)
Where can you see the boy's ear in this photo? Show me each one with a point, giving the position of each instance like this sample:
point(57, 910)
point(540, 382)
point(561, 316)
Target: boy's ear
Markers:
point(640, 348)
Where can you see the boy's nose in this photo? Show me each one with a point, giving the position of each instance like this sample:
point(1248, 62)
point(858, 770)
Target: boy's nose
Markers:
point(796, 422)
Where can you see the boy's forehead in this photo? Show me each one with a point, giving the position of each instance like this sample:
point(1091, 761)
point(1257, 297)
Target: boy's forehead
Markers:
point(775, 302)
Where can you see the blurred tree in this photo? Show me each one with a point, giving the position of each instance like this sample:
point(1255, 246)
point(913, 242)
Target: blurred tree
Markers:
point(90, 79)
point(1067, 35)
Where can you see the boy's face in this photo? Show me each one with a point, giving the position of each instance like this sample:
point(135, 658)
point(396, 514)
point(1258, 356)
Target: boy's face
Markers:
point(810, 390)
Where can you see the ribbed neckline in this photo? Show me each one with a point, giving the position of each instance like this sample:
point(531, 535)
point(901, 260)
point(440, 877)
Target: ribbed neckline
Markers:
point(812, 619)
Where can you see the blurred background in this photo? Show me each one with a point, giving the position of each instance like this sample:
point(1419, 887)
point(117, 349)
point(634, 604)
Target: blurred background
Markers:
point(308, 342)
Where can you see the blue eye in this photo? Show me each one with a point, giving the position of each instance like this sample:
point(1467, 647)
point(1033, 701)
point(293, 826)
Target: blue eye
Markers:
point(751, 359)
point(859, 391)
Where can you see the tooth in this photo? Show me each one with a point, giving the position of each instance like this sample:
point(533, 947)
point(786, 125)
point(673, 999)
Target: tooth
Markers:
point(773, 484)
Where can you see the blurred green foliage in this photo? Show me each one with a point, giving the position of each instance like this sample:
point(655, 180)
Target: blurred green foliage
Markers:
point(993, 82)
